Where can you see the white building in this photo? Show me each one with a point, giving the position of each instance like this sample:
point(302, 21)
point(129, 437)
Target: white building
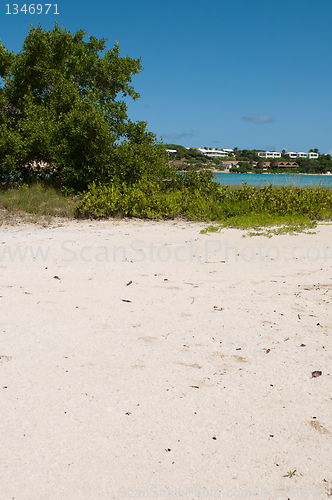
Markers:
point(269, 154)
point(291, 154)
point(215, 153)
point(311, 155)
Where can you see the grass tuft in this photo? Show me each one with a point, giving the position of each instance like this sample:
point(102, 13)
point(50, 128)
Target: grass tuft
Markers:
point(37, 200)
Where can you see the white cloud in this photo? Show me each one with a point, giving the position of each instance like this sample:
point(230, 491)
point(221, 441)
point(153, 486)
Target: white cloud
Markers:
point(287, 83)
point(261, 118)
point(177, 137)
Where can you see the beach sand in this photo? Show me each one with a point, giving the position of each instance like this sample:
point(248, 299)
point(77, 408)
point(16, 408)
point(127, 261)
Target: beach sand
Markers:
point(144, 359)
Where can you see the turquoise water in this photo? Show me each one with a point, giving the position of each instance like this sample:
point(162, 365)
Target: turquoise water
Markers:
point(297, 180)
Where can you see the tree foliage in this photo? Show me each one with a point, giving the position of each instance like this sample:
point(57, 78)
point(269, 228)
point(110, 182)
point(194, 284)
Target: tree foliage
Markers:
point(62, 104)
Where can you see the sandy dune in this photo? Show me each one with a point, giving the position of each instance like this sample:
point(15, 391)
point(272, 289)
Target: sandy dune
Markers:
point(144, 359)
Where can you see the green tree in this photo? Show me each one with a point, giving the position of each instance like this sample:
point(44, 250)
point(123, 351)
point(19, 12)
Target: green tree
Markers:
point(260, 165)
point(244, 166)
point(62, 103)
point(247, 155)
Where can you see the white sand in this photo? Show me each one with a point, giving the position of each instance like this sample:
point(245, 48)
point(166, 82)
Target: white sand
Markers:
point(196, 388)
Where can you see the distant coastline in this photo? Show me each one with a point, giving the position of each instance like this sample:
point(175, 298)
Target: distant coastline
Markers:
point(265, 173)
point(276, 179)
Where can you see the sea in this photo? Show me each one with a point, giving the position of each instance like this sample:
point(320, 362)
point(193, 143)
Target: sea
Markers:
point(298, 180)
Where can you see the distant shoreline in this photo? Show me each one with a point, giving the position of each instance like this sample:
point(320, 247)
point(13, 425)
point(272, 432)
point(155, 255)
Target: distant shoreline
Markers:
point(214, 171)
point(267, 173)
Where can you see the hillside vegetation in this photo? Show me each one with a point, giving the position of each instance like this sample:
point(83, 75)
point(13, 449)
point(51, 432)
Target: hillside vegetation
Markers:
point(190, 159)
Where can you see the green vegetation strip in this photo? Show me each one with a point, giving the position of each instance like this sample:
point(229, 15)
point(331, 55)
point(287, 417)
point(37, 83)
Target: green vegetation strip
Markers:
point(194, 196)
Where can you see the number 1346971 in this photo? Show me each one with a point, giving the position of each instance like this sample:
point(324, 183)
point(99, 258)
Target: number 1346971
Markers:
point(32, 8)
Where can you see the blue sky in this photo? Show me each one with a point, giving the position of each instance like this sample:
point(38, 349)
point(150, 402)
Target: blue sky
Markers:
point(249, 74)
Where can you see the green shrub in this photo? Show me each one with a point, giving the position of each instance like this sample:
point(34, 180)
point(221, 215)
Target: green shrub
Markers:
point(196, 196)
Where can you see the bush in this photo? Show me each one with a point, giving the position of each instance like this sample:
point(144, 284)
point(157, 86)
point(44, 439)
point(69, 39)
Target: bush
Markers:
point(197, 197)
